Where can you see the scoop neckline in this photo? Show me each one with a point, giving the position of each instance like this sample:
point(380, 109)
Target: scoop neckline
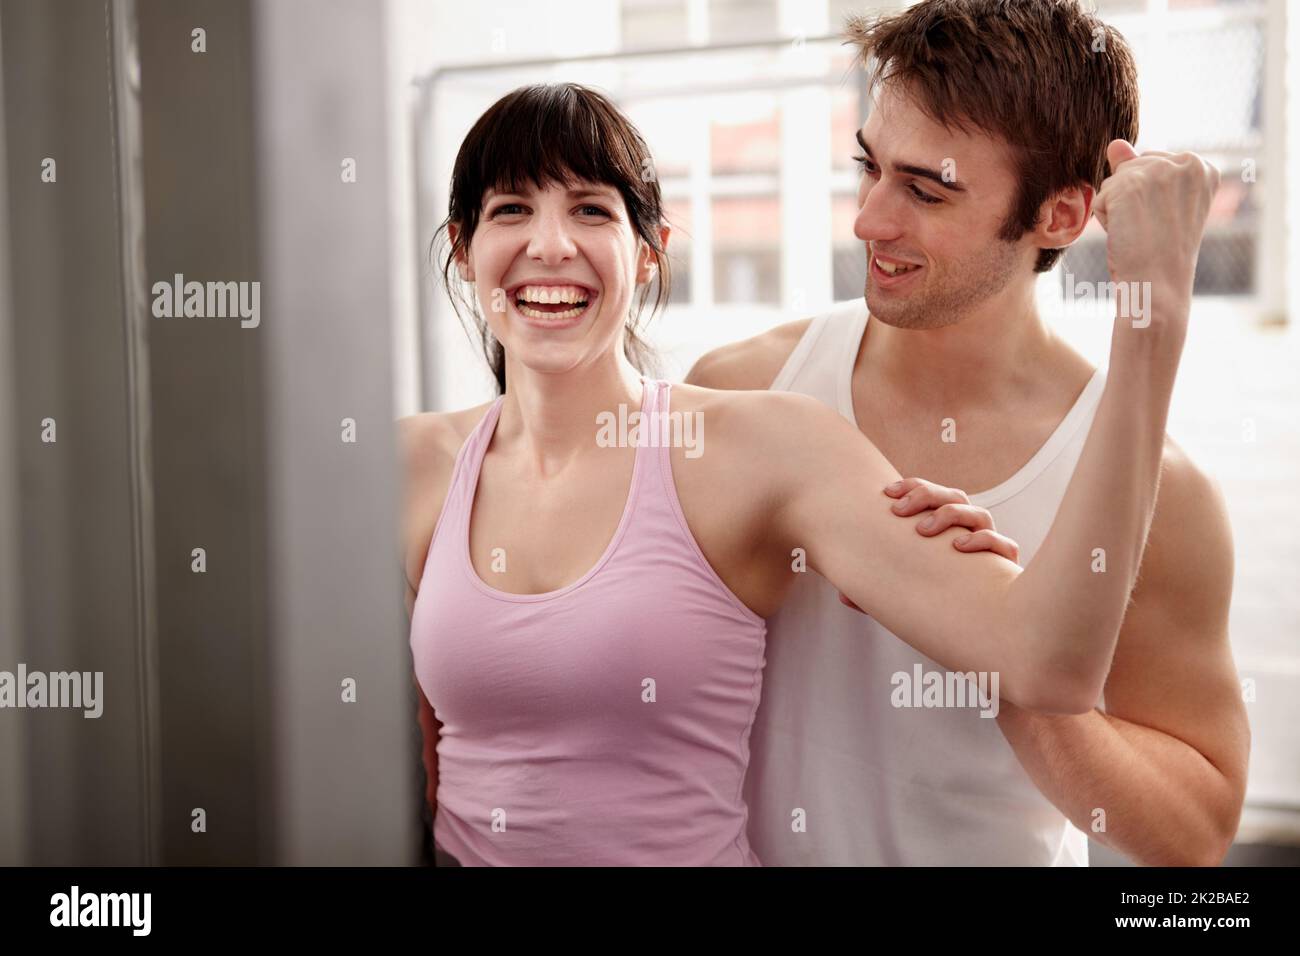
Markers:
point(467, 563)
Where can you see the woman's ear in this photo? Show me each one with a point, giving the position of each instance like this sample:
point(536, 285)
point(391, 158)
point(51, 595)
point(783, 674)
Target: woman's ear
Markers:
point(646, 265)
point(463, 266)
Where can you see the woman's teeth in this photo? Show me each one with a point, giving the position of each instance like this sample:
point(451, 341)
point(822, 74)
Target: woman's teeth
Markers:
point(552, 294)
point(529, 296)
point(538, 314)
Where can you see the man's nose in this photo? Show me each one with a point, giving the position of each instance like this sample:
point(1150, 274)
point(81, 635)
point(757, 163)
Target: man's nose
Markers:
point(550, 242)
point(880, 216)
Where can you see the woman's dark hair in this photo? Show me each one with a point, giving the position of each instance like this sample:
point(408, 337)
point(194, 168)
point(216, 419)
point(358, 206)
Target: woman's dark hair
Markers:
point(552, 134)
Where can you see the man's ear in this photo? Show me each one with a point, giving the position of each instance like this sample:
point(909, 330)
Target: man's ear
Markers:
point(1064, 216)
point(463, 265)
point(646, 266)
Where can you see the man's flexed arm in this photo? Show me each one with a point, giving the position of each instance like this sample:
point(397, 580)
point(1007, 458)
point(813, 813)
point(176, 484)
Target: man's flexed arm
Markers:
point(1050, 630)
point(1154, 209)
point(966, 612)
point(1160, 776)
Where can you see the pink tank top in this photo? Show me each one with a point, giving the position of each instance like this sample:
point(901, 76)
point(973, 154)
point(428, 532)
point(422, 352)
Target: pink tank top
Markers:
point(604, 723)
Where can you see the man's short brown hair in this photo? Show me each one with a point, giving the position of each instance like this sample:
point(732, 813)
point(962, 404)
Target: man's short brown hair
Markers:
point(1046, 76)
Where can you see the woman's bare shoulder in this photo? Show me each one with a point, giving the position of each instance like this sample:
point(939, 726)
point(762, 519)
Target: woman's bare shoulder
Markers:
point(761, 443)
point(430, 439)
point(757, 415)
point(428, 443)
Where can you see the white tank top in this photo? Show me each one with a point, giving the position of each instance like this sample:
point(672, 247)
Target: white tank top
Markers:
point(880, 785)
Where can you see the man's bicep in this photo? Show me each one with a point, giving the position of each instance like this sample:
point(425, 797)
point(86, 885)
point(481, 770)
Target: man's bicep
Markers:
point(1173, 669)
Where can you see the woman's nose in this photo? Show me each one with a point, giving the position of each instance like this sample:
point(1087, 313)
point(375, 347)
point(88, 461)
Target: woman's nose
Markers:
point(550, 241)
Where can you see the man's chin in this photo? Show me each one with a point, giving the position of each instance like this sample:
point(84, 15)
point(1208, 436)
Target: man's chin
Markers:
point(892, 311)
point(914, 311)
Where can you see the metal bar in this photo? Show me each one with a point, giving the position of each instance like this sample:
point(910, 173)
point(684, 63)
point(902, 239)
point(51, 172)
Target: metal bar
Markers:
point(492, 66)
point(124, 127)
point(13, 738)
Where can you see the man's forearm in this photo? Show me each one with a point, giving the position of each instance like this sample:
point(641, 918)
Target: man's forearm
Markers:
point(1161, 802)
point(1154, 208)
point(1077, 586)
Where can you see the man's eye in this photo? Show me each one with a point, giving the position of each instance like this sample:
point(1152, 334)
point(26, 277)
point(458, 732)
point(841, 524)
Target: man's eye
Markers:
point(922, 195)
point(866, 165)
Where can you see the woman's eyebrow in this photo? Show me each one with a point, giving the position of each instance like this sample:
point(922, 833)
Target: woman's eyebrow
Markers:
point(583, 193)
point(602, 193)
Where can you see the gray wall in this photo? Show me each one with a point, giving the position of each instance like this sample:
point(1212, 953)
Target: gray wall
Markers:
point(82, 570)
point(222, 689)
point(337, 606)
point(209, 411)
point(13, 806)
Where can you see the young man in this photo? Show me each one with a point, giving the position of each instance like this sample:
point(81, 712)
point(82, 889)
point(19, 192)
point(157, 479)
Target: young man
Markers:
point(982, 159)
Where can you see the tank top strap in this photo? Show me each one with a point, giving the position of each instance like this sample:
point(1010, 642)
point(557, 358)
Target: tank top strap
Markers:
point(469, 462)
point(655, 432)
point(655, 439)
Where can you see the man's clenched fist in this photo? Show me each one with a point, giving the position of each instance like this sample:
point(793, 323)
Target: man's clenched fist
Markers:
point(1153, 207)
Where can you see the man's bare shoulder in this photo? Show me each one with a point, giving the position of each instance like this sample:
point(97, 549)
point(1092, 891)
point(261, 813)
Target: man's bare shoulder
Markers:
point(750, 363)
point(1189, 548)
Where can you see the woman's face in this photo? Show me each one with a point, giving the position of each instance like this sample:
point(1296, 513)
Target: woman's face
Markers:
point(555, 268)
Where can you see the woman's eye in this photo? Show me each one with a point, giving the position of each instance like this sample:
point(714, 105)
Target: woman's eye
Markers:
point(592, 211)
point(866, 165)
point(922, 195)
point(508, 209)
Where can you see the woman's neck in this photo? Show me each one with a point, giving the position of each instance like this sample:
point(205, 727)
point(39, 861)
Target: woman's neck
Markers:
point(550, 418)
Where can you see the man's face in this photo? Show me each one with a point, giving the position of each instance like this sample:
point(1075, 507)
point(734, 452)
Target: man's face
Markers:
point(930, 205)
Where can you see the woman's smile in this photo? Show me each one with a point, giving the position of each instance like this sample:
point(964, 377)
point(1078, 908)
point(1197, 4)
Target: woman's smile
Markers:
point(551, 304)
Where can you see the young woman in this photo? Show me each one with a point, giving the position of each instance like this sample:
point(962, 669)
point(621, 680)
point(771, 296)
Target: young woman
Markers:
point(587, 615)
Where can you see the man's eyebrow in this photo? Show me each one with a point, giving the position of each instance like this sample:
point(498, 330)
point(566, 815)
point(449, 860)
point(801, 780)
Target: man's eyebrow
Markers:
point(924, 172)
